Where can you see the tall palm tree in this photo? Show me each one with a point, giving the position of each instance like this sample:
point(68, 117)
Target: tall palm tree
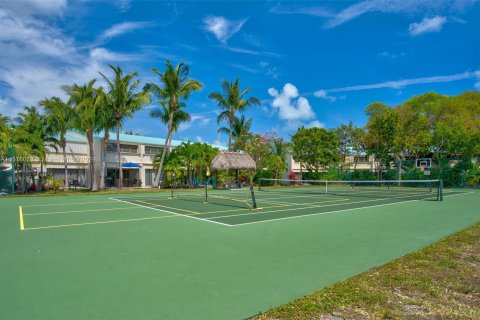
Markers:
point(106, 121)
point(241, 126)
point(125, 100)
point(167, 115)
point(175, 87)
point(60, 117)
point(232, 100)
point(85, 99)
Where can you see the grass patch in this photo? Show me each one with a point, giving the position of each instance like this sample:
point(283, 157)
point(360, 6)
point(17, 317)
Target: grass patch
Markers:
point(441, 281)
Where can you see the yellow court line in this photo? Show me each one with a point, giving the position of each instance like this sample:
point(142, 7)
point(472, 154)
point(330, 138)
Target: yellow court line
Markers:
point(20, 212)
point(77, 211)
point(99, 222)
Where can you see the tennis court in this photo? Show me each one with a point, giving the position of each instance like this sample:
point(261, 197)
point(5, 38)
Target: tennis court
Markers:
point(283, 200)
point(154, 256)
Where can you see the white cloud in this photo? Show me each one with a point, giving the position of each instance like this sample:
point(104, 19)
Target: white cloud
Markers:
point(269, 70)
point(199, 139)
point(409, 7)
point(36, 7)
point(324, 95)
point(292, 107)
point(102, 54)
point(477, 84)
point(396, 84)
point(198, 120)
point(222, 28)
point(427, 25)
point(244, 68)
point(315, 124)
point(124, 27)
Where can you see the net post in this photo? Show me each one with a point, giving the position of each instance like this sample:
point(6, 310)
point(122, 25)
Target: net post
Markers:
point(260, 184)
point(206, 192)
point(440, 190)
point(326, 187)
point(254, 201)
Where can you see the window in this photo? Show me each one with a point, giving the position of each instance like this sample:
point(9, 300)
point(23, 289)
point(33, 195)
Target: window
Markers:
point(360, 159)
point(124, 148)
point(152, 150)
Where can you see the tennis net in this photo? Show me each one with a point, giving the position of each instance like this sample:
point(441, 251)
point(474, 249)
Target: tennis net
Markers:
point(408, 189)
point(244, 198)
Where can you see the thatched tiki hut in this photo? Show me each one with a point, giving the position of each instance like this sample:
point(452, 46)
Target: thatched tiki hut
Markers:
point(229, 160)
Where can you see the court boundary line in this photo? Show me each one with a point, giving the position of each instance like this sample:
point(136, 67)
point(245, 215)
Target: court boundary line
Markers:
point(321, 213)
point(174, 213)
point(94, 223)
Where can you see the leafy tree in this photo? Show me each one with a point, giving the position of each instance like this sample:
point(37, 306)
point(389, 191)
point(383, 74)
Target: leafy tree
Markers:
point(60, 118)
point(5, 134)
point(381, 132)
point(125, 100)
point(34, 131)
point(86, 99)
point(316, 148)
point(231, 101)
point(175, 87)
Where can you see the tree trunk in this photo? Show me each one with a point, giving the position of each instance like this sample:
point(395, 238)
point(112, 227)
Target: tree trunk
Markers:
point(40, 177)
point(65, 162)
point(230, 136)
point(93, 178)
point(104, 158)
point(120, 172)
point(162, 159)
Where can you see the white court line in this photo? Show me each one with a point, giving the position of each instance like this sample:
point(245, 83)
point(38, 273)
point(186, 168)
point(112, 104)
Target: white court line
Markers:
point(171, 212)
point(319, 213)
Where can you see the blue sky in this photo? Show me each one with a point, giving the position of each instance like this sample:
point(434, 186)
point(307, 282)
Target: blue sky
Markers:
point(311, 63)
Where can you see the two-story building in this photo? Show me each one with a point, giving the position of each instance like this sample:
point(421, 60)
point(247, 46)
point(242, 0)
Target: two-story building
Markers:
point(136, 152)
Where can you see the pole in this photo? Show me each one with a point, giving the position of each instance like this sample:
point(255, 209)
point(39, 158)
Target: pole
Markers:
point(254, 202)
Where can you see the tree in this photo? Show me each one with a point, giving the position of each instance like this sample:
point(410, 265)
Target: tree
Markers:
point(316, 148)
point(174, 89)
point(60, 118)
point(231, 101)
point(241, 126)
point(344, 134)
point(86, 100)
point(106, 120)
point(125, 100)
point(34, 131)
point(381, 132)
point(5, 134)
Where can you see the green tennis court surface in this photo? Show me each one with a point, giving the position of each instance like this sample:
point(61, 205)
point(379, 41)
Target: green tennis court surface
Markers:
point(150, 256)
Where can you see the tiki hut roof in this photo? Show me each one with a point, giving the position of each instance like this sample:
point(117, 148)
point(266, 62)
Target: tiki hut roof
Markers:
point(226, 160)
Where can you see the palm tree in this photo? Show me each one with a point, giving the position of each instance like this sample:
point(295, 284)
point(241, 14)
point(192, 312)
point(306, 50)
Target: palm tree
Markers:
point(125, 101)
point(86, 100)
point(175, 87)
point(33, 130)
point(106, 121)
point(60, 117)
point(232, 100)
point(241, 126)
